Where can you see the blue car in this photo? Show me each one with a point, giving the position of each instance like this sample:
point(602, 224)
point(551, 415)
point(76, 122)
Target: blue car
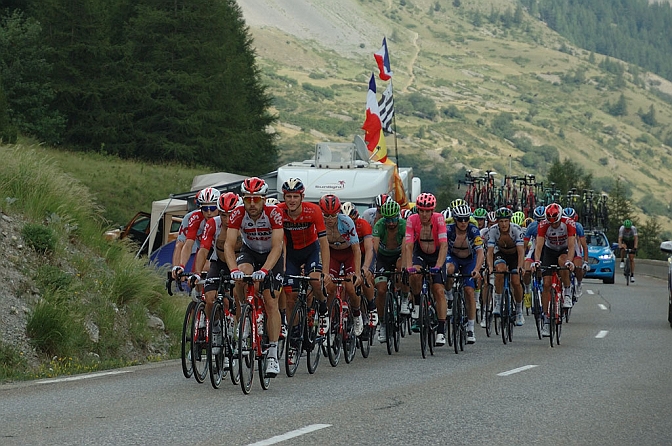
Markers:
point(601, 258)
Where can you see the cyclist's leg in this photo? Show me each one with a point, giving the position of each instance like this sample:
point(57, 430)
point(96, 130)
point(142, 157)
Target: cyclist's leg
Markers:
point(500, 267)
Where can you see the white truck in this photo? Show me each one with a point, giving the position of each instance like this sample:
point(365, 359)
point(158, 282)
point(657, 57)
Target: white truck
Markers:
point(343, 169)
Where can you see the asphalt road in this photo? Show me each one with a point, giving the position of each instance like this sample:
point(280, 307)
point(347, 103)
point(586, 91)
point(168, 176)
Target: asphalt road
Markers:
point(608, 383)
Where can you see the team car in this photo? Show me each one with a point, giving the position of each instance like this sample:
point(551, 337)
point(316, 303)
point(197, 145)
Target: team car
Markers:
point(601, 258)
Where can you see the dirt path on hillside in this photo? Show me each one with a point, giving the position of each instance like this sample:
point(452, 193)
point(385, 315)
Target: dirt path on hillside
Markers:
point(411, 64)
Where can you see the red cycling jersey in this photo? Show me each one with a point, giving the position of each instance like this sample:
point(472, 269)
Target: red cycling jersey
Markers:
point(364, 230)
point(556, 238)
point(196, 221)
point(305, 229)
point(256, 234)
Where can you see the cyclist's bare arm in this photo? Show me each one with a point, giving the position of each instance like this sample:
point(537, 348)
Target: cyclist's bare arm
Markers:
point(186, 251)
point(443, 252)
point(229, 253)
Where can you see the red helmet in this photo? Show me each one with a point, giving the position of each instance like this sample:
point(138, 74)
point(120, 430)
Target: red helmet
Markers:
point(254, 186)
point(382, 199)
point(425, 202)
point(405, 213)
point(330, 204)
point(553, 212)
point(227, 202)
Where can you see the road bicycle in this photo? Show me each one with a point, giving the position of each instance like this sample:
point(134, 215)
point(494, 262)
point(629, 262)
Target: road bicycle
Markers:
point(428, 320)
point(341, 335)
point(365, 340)
point(536, 288)
point(627, 272)
point(252, 337)
point(220, 338)
point(187, 324)
point(487, 302)
point(555, 312)
point(459, 319)
point(507, 310)
point(392, 318)
point(303, 329)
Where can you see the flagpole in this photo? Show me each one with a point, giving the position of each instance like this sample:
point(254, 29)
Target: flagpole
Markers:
point(394, 126)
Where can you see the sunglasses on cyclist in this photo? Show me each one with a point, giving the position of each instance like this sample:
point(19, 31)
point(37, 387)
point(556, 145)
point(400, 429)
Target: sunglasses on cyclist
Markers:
point(330, 215)
point(253, 199)
point(391, 221)
point(212, 208)
point(462, 219)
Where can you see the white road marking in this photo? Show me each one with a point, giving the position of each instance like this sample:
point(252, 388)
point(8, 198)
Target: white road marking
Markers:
point(589, 291)
point(290, 434)
point(519, 369)
point(78, 377)
point(601, 334)
point(602, 306)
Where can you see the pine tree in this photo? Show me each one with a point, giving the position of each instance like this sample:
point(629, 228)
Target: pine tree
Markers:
point(649, 239)
point(620, 209)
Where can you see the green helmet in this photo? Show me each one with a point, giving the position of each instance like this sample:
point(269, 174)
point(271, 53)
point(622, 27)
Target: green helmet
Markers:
point(390, 209)
point(480, 214)
point(518, 218)
point(627, 224)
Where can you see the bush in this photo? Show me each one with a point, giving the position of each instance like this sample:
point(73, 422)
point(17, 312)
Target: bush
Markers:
point(52, 278)
point(40, 238)
point(50, 328)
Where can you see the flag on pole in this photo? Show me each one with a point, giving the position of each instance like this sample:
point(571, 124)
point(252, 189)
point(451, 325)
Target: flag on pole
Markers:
point(374, 137)
point(386, 109)
point(383, 60)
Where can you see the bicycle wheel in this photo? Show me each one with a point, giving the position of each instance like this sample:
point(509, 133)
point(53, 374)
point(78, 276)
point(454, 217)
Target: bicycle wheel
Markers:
point(350, 340)
point(626, 270)
point(488, 311)
point(504, 315)
point(334, 336)
point(463, 322)
point(512, 316)
point(216, 347)
point(553, 305)
point(199, 346)
point(396, 305)
point(536, 310)
point(232, 350)
point(264, 380)
point(246, 349)
point(558, 332)
point(455, 322)
point(295, 333)
point(388, 319)
point(187, 339)
point(432, 322)
point(424, 335)
point(312, 341)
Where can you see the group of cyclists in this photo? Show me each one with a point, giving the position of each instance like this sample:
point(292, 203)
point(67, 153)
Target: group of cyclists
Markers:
point(252, 235)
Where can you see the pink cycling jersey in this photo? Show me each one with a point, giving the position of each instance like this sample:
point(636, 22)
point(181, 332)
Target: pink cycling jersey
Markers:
point(438, 225)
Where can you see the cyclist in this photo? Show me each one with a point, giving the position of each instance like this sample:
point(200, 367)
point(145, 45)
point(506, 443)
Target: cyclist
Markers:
point(365, 235)
point(529, 238)
point(480, 215)
point(628, 239)
point(260, 227)
point(388, 238)
point(306, 245)
point(506, 252)
point(581, 251)
point(465, 254)
point(345, 255)
point(485, 232)
point(207, 202)
point(517, 218)
point(426, 245)
point(405, 213)
point(555, 246)
point(372, 215)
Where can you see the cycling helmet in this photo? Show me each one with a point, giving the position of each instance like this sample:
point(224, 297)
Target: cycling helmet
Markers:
point(207, 195)
point(527, 222)
point(569, 213)
point(480, 214)
point(539, 213)
point(462, 211)
point(227, 202)
point(254, 186)
point(457, 202)
point(517, 218)
point(503, 213)
point(447, 215)
point(390, 209)
point(405, 213)
point(553, 212)
point(627, 224)
point(272, 201)
point(293, 186)
point(425, 202)
point(350, 210)
point(382, 199)
point(492, 216)
point(330, 204)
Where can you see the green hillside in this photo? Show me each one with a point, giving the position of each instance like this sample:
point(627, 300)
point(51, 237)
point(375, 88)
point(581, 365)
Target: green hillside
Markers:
point(475, 63)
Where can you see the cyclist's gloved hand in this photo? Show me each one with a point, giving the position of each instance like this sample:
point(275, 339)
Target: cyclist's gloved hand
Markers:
point(260, 274)
point(536, 264)
point(585, 267)
point(434, 270)
point(569, 265)
point(177, 270)
point(474, 273)
point(193, 279)
point(237, 274)
point(411, 270)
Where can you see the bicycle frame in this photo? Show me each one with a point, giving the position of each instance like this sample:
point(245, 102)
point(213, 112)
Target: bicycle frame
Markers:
point(554, 312)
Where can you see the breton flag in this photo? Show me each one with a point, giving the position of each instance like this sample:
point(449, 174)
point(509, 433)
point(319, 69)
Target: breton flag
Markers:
point(374, 137)
point(383, 60)
point(386, 109)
